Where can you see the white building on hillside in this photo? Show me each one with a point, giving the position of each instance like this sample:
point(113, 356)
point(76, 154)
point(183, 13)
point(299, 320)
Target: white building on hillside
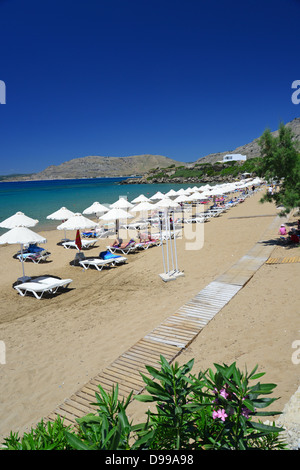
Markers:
point(234, 157)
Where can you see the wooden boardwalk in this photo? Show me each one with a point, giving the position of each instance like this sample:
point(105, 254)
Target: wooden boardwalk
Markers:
point(169, 339)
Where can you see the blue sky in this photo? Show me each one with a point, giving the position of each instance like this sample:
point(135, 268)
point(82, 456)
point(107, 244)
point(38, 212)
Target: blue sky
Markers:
point(125, 77)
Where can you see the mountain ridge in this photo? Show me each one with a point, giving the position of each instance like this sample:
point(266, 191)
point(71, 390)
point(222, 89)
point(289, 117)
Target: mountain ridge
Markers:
point(137, 165)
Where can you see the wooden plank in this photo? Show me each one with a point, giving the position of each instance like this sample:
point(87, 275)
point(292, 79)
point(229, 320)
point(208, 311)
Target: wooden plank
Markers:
point(130, 378)
point(139, 357)
point(146, 353)
point(78, 405)
point(174, 332)
point(123, 384)
point(162, 340)
point(168, 350)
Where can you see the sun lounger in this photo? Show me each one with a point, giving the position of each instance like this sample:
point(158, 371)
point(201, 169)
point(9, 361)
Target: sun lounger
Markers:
point(35, 257)
point(124, 248)
point(144, 245)
point(97, 263)
point(39, 286)
point(84, 243)
point(166, 235)
point(106, 259)
point(197, 219)
point(118, 259)
point(98, 233)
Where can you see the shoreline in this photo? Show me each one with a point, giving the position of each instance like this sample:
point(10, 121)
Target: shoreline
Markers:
point(54, 346)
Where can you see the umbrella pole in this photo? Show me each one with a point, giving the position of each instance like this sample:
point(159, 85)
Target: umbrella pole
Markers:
point(22, 260)
point(167, 276)
point(170, 235)
point(175, 249)
point(162, 244)
point(23, 278)
point(167, 242)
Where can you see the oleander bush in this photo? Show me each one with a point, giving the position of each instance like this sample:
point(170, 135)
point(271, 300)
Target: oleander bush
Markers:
point(213, 410)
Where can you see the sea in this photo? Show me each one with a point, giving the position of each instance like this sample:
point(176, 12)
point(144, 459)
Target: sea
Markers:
point(37, 199)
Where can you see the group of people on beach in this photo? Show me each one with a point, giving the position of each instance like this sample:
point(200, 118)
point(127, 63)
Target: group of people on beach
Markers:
point(293, 236)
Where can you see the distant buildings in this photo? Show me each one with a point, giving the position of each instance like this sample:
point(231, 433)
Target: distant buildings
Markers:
point(234, 157)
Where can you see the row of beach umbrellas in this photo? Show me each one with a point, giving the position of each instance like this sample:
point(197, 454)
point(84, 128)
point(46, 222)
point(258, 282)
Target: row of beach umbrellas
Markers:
point(19, 224)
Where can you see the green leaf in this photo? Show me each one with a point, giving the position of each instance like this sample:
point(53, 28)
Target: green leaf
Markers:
point(144, 398)
point(75, 442)
point(249, 404)
point(159, 375)
point(265, 427)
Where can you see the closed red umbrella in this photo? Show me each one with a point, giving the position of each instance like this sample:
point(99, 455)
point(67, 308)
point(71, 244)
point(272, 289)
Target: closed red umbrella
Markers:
point(78, 240)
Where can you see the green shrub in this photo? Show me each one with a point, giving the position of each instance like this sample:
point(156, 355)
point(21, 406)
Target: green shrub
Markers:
point(46, 436)
point(214, 410)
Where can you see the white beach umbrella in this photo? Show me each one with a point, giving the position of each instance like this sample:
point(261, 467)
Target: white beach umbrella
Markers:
point(17, 220)
point(215, 191)
point(181, 192)
point(96, 208)
point(140, 198)
point(116, 214)
point(181, 198)
point(77, 222)
point(171, 193)
point(61, 214)
point(196, 196)
point(158, 195)
point(143, 206)
point(121, 203)
point(22, 236)
point(205, 187)
point(166, 203)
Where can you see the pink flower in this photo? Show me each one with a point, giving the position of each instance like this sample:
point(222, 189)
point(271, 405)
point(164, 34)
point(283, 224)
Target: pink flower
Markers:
point(245, 412)
point(223, 393)
point(219, 414)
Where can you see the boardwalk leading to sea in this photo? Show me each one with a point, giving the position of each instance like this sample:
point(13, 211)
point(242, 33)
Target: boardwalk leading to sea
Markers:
point(169, 338)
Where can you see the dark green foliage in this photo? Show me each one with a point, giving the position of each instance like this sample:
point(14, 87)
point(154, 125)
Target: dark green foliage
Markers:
point(211, 411)
point(281, 162)
point(46, 436)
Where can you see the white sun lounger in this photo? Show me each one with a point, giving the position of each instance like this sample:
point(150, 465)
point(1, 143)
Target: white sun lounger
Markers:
point(99, 264)
point(41, 285)
point(84, 244)
point(35, 257)
point(118, 249)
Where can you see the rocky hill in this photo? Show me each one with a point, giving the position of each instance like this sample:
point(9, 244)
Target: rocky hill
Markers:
point(252, 149)
point(97, 167)
point(140, 165)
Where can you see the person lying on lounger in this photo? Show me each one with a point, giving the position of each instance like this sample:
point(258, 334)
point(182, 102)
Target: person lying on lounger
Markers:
point(117, 243)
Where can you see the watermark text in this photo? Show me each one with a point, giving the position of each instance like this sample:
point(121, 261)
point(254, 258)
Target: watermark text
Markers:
point(2, 92)
point(296, 93)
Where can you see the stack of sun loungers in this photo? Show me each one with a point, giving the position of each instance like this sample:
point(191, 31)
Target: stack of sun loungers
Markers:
point(41, 285)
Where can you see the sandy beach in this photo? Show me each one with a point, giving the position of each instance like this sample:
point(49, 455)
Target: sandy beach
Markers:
point(55, 345)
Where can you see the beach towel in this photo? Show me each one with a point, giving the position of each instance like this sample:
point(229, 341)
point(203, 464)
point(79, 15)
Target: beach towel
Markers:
point(107, 255)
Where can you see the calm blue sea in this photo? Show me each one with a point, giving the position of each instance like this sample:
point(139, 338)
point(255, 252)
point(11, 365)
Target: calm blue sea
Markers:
point(37, 199)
